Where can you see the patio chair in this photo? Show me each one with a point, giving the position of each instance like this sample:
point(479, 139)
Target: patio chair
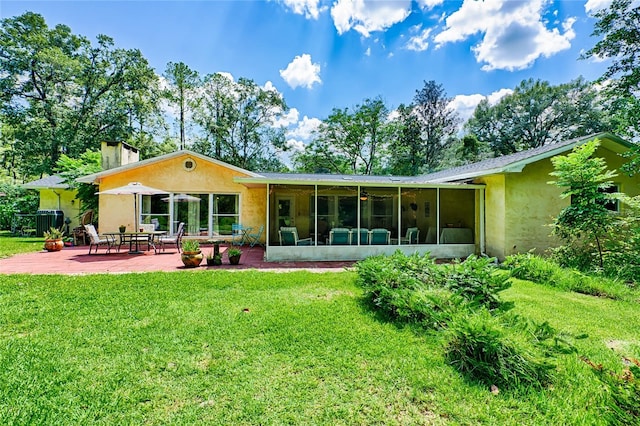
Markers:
point(254, 238)
point(97, 240)
point(237, 234)
point(364, 236)
point(142, 239)
point(173, 239)
point(79, 232)
point(339, 236)
point(412, 236)
point(380, 236)
point(289, 237)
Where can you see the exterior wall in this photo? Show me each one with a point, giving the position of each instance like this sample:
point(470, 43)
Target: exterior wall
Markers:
point(116, 154)
point(172, 176)
point(495, 228)
point(61, 199)
point(521, 206)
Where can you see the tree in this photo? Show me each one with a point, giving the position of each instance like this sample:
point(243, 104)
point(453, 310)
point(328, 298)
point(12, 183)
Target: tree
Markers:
point(72, 168)
point(438, 122)
point(620, 44)
point(182, 82)
point(537, 114)
point(618, 26)
point(406, 144)
point(61, 94)
point(350, 142)
point(238, 119)
point(584, 179)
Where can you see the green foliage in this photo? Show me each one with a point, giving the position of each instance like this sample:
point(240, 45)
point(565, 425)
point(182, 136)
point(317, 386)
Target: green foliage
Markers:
point(180, 92)
point(584, 179)
point(485, 349)
point(72, 168)
point(349, 141)
point(17, 200)
point(53, 234)
point(623, 391)
point(527, 266)
point(190, 246)
point(63, 94)
point(476, 282)
point(537, 114)
point(233, 251)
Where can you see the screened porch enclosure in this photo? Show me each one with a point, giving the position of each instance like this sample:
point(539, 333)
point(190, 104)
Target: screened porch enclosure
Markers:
point(361, 216)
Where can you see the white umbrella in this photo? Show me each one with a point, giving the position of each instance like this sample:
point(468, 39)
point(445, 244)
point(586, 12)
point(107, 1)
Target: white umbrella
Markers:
point(183, 198)
point(135, 189)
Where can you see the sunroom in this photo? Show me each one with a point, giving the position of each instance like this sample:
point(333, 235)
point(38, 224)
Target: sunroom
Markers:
point(329, 217)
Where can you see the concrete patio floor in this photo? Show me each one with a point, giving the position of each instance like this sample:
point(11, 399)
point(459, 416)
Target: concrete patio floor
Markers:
point(76, 261)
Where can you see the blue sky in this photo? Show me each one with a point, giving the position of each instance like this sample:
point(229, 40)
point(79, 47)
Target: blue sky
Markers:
point(325, 54)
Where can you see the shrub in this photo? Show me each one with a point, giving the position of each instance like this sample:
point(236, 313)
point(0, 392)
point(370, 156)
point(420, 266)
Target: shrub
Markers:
point(546, 271)
point(476, 282)
point(483, 349)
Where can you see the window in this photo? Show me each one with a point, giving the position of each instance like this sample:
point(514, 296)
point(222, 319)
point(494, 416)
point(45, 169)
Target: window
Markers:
point(225, 213)
point(612, 205)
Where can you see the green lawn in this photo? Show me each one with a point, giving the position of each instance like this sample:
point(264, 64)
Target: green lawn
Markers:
point(265, 348)
point(13, 245)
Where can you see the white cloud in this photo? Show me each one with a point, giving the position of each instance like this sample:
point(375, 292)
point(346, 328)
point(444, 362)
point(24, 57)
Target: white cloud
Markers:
point(295, 145)
point(419, 42)
point(301, 72)
point(592, 6)
point(308, 8)
point(368, 51)
point(305, 128)
point(287, 119)
point(366, 16)
point(514, 33)
point(465, 105)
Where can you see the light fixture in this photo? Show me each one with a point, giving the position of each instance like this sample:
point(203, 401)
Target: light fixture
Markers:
point(364, 196)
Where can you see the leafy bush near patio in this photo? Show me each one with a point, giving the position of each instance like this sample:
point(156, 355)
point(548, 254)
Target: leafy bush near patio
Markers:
point(528, 266)
point(485, 348)
point(475, 281)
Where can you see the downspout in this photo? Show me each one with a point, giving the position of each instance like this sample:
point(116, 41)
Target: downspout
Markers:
point(58, 195)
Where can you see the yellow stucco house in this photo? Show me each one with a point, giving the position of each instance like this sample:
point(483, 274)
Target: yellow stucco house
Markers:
point(498, 206)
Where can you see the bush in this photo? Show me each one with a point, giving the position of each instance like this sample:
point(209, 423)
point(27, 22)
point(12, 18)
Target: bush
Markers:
point(16, 200)
point(477, 282)
point(483, 349)
point(545, 271)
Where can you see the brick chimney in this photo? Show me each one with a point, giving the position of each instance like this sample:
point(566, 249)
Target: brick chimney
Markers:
point(116, 154)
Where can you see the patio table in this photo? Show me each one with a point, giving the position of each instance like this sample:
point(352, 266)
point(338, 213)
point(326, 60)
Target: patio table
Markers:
point(133, 237)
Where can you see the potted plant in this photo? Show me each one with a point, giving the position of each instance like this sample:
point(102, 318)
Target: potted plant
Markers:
point(53, 239)
point(234, 255)
point(191, 255)
point(214, 259)
point(122, 229)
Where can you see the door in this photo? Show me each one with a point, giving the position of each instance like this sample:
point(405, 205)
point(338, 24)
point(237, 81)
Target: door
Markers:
point(286, 211)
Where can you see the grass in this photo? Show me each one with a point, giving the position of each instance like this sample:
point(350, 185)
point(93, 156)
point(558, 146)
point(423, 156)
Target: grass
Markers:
point(13, 245)
point(264, 348)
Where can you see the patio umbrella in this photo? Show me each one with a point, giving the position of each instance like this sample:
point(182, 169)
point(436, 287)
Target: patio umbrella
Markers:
point(135, 189)
point(183, 198)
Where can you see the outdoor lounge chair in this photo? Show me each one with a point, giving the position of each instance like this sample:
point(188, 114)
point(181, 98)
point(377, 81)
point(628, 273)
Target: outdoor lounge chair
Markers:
point(97, 241)
point(339, 236)
point(289, 237)
point(173, 239)
point(79, 233)
point(364, 236)
point(380, 236)
point(412, 236)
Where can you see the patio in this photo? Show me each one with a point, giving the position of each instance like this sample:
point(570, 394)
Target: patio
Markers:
point(75, 260)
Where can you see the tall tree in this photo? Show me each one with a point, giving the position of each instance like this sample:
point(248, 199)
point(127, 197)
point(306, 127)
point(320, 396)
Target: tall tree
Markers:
point(239, 122)
point(350, 142)
point(61, 94)
point(180, 92)
point(406, 145)
point(438, 122)
point(537, 114)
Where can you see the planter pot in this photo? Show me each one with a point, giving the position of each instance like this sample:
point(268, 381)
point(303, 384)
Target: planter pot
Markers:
point(234, 260)
point(122, 229)
point(191, 259)
point(53, 245)
point(214, 261)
